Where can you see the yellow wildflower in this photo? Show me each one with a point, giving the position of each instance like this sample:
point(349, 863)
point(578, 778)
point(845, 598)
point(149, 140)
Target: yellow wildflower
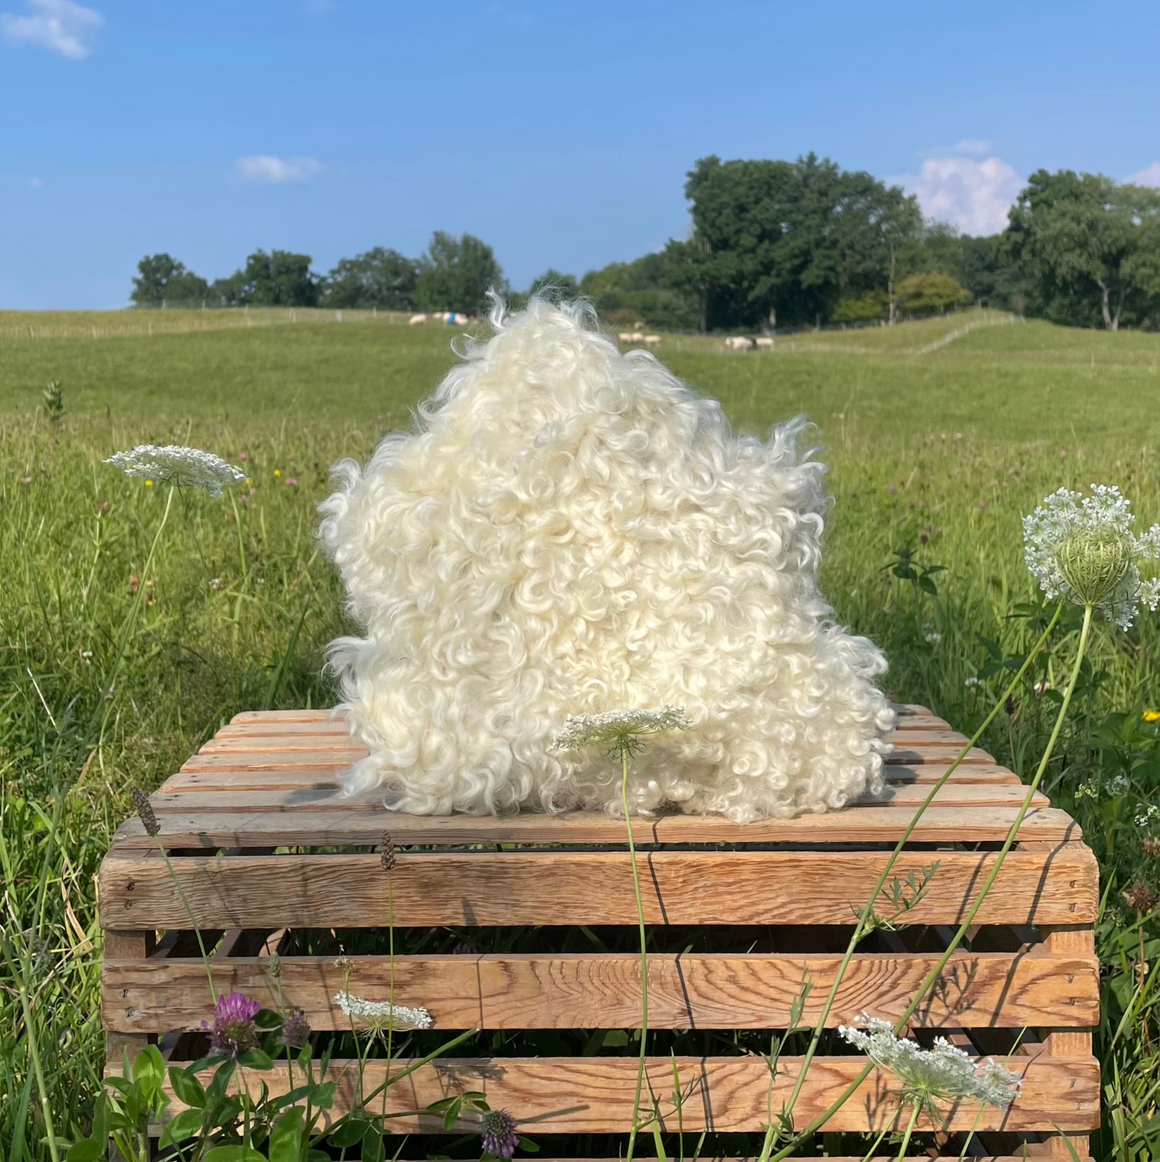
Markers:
point(148, 483)
point(1152, 715)
point(277, 471)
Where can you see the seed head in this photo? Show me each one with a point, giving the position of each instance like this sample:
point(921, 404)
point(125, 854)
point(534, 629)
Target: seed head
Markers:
point(1141, 897)
point(387, 859)
point(145, 811)
point(1151, 846)
point(295, 1029)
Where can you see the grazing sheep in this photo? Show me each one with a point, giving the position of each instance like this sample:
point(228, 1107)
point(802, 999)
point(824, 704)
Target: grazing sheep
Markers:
point(739, 343)
point(415, 320)
point(571, 530)
point(652, 340)
point(763, 343)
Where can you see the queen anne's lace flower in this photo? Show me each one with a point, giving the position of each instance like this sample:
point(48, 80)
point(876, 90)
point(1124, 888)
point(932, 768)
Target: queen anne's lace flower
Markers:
point(1082, 548)
point(930, 1075)
point(618, 729)
point(175, 464)
point(382, 1015)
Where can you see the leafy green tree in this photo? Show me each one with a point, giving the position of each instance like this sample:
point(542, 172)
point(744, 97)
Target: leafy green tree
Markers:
point(1092, 245)
point(278, 279)
point(163, 281)
point(455, 274)
point(564, 284)
point(993, 275)
point(928, 292)
point(780, 241)
point(644, 289)
point(380, 278)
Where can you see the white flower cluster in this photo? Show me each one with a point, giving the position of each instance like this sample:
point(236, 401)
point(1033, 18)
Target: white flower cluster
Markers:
point(382, 1014)
point(175, 464)
point(1082, 548)
point(616, 727)
point(927, 1075)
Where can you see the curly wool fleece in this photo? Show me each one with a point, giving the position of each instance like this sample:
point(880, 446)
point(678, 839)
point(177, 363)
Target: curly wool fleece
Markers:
point(570, 530)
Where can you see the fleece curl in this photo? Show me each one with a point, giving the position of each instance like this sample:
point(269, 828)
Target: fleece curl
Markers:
point(570, 530)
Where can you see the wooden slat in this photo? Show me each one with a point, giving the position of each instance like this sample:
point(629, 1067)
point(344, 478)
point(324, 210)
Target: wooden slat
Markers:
point(240, 777)
point(325, 828)
point(721, 1094)
point(328, 795)
point(583, 887)
point(595, 991)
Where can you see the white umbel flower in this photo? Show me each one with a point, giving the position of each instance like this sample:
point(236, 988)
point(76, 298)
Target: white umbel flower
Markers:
point(1083, 549)
point(618, 729)
point(382, 1015)
point(175, 464)
point(929, 1075)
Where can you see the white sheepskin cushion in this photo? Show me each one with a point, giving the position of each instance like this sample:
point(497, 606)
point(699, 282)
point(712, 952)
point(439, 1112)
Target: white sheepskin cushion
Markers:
point(570, 530)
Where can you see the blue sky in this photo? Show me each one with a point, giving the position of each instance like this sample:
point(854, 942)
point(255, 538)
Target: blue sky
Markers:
point(559, 133)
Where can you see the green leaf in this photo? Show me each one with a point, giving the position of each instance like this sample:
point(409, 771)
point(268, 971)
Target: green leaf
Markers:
point(256, 1059)
point(216, 1089)
point(615, 1038)
point(528, 1145)
point(187, 1087)
point(185, 1125)
point(90, 1150)
point(324, 1095)
point(268, 1019)
point(149, 1071)
point(372, 1149)
point(348, 1134)
point(286, 1137)
point(233, 1154)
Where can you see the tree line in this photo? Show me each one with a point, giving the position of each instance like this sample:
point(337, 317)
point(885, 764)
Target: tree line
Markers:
point(772, 244)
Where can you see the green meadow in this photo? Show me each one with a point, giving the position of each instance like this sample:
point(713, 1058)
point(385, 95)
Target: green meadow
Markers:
point(935, 453)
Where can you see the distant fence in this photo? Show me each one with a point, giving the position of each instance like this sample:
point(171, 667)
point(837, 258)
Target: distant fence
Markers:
point(179, 321)
point(792, 345)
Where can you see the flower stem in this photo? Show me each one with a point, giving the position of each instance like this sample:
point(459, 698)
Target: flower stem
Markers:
point(643, 953)
point(969, 920)
point(909, 1130)
point(864, 917)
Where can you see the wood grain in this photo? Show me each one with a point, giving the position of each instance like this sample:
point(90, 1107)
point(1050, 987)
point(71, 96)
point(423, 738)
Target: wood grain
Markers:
point(721, 1094)
point(581, 887)
point(595, 991)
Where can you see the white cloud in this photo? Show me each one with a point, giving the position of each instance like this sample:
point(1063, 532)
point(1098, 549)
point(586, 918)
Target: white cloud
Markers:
point(973, 195)
point(277, 170)
point(973, 147)
point(57, 25)
point(1149, 176)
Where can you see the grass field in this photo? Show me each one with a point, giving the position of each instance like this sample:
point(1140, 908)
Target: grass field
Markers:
point(934, 455)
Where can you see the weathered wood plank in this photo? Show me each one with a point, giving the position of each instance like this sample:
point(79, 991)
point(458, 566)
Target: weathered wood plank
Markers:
point(594, 991)
point(240, 777)
point(325, 828)
point(721, 1094)
point(328, 795)
point(583, 887)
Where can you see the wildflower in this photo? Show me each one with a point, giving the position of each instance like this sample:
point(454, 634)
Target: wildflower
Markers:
point(929, 1075)
point(620, 728)
point(233, 1030)
point(1041, 687)
point(1140, 896)
point(1117, 785)
point(277, 473)
point(295, 1029)
point(217, 583)
point(243, 457)
point(1151, 716)
point(1083, 549)
point(175, 464)
point(381, 1015)
point(1151, 846)
point(971, 683)
point(934, 637)
point(1145, 815)
point(87, 655)
point(498, 1132)
point(291, 482)
point(26, 480)
point(145, 811)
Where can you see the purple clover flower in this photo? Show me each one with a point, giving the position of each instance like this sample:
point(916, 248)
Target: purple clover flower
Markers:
point(233, 1030)
point(498, 1132)
point(295, 1029)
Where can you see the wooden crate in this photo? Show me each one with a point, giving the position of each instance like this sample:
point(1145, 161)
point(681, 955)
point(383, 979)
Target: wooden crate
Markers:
point(249, 819)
